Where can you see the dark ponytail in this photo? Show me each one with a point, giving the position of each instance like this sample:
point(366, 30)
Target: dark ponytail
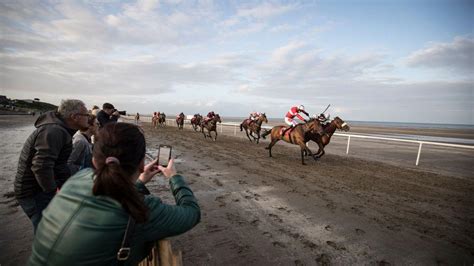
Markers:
point(114, 179)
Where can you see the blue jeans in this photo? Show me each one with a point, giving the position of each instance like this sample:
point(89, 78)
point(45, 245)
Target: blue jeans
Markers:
point(34, 206)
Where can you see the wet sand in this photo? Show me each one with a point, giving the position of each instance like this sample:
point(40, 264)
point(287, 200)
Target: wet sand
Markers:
point(256, 210)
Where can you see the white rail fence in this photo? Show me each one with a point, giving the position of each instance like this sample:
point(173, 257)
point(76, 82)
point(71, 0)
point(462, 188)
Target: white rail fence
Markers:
point(172, 122)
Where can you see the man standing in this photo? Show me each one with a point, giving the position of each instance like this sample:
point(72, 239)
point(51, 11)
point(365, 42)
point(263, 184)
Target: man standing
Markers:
point(107, 114)
point(42, 167)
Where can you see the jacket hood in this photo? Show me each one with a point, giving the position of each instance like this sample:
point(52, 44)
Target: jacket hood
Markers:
point(52, 117)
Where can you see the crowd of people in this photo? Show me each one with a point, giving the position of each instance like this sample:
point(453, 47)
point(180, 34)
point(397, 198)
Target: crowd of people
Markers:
point(82, 179)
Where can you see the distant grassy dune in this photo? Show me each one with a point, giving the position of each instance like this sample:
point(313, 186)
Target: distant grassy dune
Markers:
point(36, 106)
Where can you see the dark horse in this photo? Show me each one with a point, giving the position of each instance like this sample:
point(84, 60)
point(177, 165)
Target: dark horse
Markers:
point(162, 119)
point(210, 125)
point(253, 127)
point(196, 121)
point(295, 136)
point(180, 120)
point(323, 139)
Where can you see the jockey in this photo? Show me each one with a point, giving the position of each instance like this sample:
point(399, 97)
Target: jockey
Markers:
point(209, 116)
point(254, 115)
point(290, 115)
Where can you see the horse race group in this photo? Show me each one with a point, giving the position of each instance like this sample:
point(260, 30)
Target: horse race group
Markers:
point(317, 128)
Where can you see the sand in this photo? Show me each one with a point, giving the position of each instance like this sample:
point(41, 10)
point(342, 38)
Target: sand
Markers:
point(372, 206)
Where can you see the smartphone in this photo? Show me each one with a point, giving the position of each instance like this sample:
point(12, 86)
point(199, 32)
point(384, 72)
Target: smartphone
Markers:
point(164, 155)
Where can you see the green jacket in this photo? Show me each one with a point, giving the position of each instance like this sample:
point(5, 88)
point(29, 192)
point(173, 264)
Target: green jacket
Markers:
point(79, 228)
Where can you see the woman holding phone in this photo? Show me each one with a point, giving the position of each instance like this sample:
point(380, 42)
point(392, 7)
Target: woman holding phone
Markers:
point(107, 216)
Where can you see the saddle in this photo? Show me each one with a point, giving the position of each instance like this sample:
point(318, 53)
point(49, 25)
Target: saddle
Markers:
point(249, 121)
point(287, 133)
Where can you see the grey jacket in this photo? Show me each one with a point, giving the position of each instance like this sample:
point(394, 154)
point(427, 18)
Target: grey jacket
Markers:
point(81, 155)
point(43, 161)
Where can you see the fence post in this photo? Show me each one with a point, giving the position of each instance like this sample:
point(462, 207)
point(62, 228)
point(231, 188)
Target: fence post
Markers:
point(348, 144)
point(418, 156)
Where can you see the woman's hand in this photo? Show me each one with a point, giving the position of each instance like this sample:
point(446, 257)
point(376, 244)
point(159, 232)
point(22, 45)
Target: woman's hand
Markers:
point(150, 170)
point(168, 171)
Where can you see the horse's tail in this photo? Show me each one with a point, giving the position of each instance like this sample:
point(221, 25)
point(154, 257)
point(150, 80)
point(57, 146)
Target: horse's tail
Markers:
point(241, 127)
point(267, 131)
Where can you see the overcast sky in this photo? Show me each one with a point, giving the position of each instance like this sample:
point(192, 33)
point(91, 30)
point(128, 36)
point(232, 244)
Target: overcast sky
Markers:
point(396, 60)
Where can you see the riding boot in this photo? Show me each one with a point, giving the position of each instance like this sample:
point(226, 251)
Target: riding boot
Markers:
point(284, 131)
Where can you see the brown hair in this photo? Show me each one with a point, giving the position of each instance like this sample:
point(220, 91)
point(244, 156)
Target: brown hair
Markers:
point(91, 119)
point(126, 143)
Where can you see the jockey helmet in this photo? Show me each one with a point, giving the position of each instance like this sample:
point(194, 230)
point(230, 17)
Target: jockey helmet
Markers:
point(301, 107)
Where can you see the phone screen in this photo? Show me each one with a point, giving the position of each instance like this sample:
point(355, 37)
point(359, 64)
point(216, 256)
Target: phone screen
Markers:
point(164, 155)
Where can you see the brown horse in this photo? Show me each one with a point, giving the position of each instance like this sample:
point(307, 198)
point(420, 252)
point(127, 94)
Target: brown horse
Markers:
point(210, 125)
point(323, 139)
point(162, 119)
point(295, 136)
point(180, 121)
point(253, 127)
point(196, 121)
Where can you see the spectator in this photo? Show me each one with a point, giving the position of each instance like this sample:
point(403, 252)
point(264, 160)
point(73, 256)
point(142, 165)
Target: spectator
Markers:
point(81, 155)
point(95, 110)
point(107, 114)
point(137, 118)
point(88, 220)
point(42, 167)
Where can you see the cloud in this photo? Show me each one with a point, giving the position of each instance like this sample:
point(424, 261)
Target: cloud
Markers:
point(243, 89)
point(265, 10)
point(455, 56)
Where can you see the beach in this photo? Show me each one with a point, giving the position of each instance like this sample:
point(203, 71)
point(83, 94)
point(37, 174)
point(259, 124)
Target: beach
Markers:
point(371, 206)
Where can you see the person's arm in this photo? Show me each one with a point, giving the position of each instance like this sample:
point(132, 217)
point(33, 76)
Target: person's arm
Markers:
point(170, 220)
point(76, 159)
point(48, 145)
point(300, 117)
point(167, 220)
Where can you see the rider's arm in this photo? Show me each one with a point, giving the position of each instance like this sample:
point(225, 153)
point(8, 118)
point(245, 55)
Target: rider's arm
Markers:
point(300, 117)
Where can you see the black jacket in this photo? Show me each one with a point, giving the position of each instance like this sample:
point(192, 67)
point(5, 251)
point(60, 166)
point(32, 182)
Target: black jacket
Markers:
point(105, 118)
point(43, 161)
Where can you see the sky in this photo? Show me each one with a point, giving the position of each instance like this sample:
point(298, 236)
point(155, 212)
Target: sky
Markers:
point(394, 60)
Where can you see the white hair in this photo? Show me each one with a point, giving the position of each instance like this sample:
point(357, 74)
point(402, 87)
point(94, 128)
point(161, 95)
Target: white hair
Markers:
point(69, 107)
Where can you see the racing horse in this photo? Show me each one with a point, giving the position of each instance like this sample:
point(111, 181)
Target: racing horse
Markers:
point(180, 121)
point(196, 121)
point(162, 119)
point(253, 127)
point(210, 125)
point(323, 139)
point(295, 136)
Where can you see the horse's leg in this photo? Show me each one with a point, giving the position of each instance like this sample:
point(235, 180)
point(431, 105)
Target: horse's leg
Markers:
point(304, 149)
point(251, 134)
point(247, 132)
point(321, 151)
point(215, 138)
point(273, 141)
